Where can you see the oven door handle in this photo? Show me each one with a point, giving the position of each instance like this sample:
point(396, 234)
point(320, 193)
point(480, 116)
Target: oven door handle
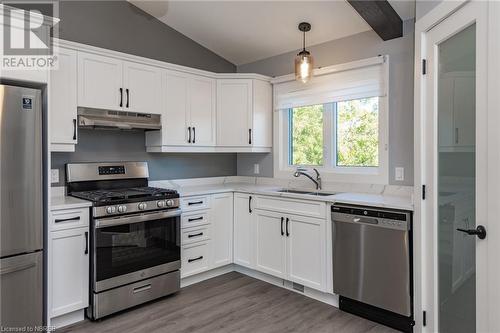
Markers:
point(137, 218)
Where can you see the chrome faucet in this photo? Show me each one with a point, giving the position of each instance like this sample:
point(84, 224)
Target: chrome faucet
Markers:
point(317, 181)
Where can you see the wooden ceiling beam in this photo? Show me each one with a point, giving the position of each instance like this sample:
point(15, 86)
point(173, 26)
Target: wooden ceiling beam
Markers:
point(380, 15)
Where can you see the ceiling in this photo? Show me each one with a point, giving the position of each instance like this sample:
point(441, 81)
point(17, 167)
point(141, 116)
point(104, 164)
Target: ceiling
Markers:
point(246, 31)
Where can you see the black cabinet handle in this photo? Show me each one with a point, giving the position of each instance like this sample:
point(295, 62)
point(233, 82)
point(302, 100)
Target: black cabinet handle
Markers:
point(74, 129)
point(250, 204)
point(86, 242)
point(195, 235)
point(287, 224)
point(249, 136)
point(77, 218)
point(126, 90)
point(121, 97)
point(480, 231)
point(196, 219)
point(282, 233)
point(194, 259)
point(194, 134)
point(195, 203)
point(189, 132)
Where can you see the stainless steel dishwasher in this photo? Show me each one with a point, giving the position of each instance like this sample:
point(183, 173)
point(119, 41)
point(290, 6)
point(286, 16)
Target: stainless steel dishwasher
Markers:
point(372, 263)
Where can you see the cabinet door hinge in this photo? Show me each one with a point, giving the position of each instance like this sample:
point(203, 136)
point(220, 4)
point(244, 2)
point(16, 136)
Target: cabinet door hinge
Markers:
point(424, 318)
point(423, 192)
point(424, 66)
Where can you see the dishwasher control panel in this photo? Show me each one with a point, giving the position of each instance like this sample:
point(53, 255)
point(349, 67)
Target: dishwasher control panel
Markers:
point(368, 215)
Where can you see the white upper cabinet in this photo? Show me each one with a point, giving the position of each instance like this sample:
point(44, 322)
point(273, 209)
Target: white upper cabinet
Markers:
point(244, 114)
point(188, 118)
point(202, 110)
point(100, 82)
point(63, 102)
point(142, 86)
point(112, 84)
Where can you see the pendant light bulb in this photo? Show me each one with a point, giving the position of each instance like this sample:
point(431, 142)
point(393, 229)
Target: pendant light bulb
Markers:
point(304, 62)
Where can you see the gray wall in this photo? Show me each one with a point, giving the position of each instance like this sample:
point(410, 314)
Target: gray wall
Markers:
point(360, 46)
point(106, 145)
point(422, 7)
point(120, 26)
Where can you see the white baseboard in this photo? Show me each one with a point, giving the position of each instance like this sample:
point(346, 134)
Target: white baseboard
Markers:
point(187, 281)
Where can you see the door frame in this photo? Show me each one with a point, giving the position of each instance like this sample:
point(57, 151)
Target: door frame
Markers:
point(425, 269)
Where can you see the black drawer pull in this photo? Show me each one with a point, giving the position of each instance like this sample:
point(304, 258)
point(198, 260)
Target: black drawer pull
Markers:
point(194, 134)
point(126, 90)
point(250, 204)
point(195, 203)
point(195, 259)
point(121, 97)
point(196, 219)
point(282, 232)
point(77, 218)
point(189, 132)
point(195, 235)
point(86, 242)
point(249, 136)
point(287, 224)
point(74, 129)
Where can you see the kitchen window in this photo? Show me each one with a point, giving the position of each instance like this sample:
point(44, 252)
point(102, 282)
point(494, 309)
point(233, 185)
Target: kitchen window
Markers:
point(344, 137)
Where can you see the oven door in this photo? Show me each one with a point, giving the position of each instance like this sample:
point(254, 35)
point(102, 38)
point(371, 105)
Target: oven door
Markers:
point(134, 247)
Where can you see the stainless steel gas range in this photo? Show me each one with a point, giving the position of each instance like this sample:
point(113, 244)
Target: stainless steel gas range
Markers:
point(134, 236)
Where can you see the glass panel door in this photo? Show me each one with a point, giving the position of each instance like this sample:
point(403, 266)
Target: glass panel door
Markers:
point(456, 181)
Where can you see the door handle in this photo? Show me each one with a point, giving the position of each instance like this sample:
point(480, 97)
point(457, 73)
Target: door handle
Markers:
point(121, 97)
point(189, 132)
point(194, 134)
point(195, 259)
point(76, 218)
point(196, 219)
point(195, 235)
point(74, 129)
point(480, 231)
point(195, 203)
point(249, 136)
point(142, 288)
point(282, 232)
point(250, 204)
point(287, 224)
point(86, 242)
point(126, 90)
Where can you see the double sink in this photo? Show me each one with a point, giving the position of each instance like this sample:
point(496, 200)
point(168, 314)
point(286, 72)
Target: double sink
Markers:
point(321, 194)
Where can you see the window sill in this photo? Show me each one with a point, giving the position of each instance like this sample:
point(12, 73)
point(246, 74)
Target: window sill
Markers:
point(347, 175)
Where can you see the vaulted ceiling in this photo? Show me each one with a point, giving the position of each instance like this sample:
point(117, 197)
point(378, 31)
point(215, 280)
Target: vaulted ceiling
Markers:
point(247, 31)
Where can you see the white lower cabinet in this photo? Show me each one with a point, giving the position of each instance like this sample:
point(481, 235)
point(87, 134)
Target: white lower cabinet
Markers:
point(222, 229)
point(195, 258)
point(69, 271)
point(244, 231)
point(270, 243)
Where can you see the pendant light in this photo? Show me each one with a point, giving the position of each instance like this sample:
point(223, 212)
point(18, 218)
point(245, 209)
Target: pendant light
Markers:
point(304, 61)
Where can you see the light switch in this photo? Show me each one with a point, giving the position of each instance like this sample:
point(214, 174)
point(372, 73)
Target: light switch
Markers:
point(400, 173)
point(54, 176)
point(256, 168)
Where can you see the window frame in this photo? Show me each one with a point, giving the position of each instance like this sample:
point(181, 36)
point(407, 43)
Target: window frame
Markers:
point(330, 171)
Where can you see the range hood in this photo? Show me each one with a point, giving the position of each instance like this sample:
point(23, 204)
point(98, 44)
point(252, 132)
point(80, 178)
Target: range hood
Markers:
point(108, 119)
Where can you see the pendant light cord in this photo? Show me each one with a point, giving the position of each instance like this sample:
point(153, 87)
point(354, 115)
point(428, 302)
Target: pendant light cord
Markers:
point(304, 41)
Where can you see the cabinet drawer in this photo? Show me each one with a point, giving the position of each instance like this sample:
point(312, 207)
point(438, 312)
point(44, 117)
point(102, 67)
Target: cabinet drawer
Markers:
point(292, 206)
point(195, 219)
point(195, 258)
point(195, 203)
point(193, 235)
point(69, 218)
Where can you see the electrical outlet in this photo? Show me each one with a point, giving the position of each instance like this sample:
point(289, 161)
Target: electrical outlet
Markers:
point(256, 168)
point(54, 176)
point(400, 174)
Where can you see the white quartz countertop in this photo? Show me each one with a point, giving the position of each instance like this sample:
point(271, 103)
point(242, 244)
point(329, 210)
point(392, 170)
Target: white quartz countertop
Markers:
point(365, 199)
point(60, 201)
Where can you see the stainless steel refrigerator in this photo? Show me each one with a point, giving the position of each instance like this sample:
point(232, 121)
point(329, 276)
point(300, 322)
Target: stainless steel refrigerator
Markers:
point(21, 207)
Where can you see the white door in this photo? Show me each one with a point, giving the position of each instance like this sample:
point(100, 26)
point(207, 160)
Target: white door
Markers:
point(175, 120)
point(69, 271)
point(222, 229)
point(459, 184)
point(270, 243)
point(203, 111)
point(306, 251)
point(100, 82)
point(63, 100)
point(234, 112)
point(142, 86)
point(244, 230)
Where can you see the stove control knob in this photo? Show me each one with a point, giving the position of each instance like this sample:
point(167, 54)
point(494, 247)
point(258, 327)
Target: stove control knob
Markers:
point(160, 204)
point(122, 209)
point(169, 202)
point(142, 206)
point(110, 209)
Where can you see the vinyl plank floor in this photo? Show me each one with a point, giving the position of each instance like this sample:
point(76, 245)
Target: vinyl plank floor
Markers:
point(231, 303)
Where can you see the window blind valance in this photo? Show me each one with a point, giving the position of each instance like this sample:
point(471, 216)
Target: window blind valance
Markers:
point(359, 79)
